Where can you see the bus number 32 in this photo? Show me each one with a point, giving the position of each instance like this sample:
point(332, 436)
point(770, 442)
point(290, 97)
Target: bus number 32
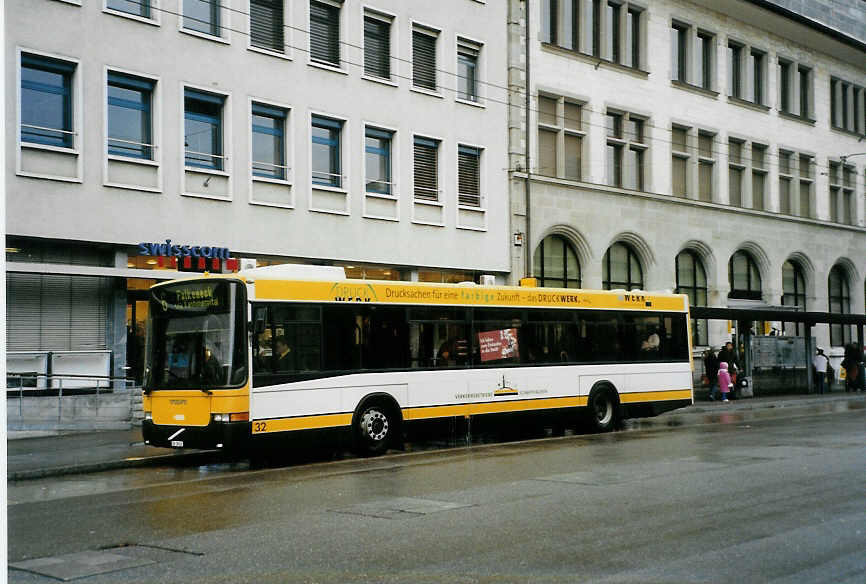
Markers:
point(260, 426)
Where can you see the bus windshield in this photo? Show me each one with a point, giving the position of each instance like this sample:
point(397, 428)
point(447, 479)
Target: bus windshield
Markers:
point(195, 336)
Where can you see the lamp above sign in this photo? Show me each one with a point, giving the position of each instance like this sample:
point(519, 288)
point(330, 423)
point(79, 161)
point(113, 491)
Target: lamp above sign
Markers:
point(192, 258)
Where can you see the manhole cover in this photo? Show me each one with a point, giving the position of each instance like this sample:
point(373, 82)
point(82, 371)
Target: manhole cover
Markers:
point(401, 507)
point(80, 565)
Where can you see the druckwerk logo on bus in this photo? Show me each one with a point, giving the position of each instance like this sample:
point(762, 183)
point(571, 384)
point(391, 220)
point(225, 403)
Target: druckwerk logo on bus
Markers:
point(343, 292)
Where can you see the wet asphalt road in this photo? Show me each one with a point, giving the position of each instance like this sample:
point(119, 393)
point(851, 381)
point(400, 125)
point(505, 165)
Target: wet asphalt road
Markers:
point(762, 499)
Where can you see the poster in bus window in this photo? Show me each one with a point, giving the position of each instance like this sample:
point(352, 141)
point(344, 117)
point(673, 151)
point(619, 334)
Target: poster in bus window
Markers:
point(496, 345)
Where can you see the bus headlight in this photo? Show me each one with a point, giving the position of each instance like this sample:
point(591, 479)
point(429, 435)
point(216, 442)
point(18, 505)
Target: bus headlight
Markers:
point(221, 417)
point(148, 415)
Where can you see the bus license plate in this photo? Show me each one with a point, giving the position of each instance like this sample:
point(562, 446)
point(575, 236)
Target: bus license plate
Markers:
point(177, 443)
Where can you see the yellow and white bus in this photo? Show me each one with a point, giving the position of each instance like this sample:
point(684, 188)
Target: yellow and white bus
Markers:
point(286, 349)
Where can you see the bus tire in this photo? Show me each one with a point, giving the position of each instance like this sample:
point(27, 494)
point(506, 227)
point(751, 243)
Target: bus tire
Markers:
point(602, 411)
point(376, 427)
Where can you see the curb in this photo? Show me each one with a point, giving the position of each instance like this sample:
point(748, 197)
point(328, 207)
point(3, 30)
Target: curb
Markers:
point(39, 473)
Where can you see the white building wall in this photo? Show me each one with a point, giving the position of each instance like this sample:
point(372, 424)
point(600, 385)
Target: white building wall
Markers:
point(86, 208)
point(657, 225)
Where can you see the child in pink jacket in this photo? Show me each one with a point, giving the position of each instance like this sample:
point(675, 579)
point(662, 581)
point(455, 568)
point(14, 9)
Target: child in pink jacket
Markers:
point(724, 380)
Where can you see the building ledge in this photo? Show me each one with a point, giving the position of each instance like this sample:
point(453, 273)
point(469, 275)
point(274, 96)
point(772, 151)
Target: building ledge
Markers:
point(758, 107)
point(672, 200)
point(796, 118)
point(695, 89)
point(597, 61)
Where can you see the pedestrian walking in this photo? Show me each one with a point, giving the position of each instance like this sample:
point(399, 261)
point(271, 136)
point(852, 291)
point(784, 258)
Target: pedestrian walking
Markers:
point(711, 367)
point(820, 362)
point(854, 374)
point(724, 380)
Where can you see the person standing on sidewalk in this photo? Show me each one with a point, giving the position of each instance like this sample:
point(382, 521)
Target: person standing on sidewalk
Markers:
point(729, 355)
point(724, 380)
point(820, 363)
point(711, 366)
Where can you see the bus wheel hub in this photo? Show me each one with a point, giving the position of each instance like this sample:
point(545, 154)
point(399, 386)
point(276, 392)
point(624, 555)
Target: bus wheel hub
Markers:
point(375, 424)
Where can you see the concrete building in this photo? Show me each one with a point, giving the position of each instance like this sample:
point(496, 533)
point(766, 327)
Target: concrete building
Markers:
point(369, 135)
point(706, 147)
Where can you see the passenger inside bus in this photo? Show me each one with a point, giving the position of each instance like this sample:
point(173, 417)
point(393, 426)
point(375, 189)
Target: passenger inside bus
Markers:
point(285, 356)
point(212, 370)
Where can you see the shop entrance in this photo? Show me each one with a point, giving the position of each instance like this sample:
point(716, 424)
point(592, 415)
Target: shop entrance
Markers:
point(136, 320)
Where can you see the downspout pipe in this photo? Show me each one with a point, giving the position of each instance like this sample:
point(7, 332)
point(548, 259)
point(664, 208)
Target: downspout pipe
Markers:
point(527, 252)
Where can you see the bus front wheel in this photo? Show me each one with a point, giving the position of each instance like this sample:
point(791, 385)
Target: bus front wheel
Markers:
point(375, 428)
point(603, 410)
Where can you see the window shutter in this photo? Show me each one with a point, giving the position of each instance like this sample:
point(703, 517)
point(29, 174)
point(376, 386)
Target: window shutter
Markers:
point(424, 60)
point(325, 33)
point(468, 176)
point(56, 313)
point(266, 24)
point(22, 311)
point(426, 169)
point(546, 153)
point(377, 48)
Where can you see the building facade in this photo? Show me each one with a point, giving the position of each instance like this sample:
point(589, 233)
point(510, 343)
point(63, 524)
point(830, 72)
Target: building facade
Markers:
point(369, 135)
point(704, 147)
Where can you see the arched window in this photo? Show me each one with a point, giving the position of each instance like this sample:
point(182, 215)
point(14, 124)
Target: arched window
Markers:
point(555, 263)
point(793, 294)
point(840, 303)
point(744, 277)
point(621, 268)
point(692, 280)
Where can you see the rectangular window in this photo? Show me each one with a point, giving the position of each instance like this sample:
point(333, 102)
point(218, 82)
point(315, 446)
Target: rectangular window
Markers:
point(467, 70)
point(848, 213)
point(377, 161)
point(326, 152)
point(756, 66)
point(377, 47)
point(834, 103)
point(679, 57)
point(136, 7)
point(613, 15)
point(266, 25)
point(785, 86)
point(706, 165)
point(549, 24)
point(614, 165)
point(325, 33)
point(735, 173)
point(679, 162)
point(573, 156)
point(594, 30)
point(805, 91)
point(202, 16)
point(704, 62)
point(203, 133)
point(568, 38)
point(759, 174)
point(804, 208)
point(426, 159)
point(424, 59)
point(785, 206)
point(469, 176)
point(547, 152)
point(632, 32)
point(735, 81)
point(46, 101)
point(269, 142)
point(129, 116)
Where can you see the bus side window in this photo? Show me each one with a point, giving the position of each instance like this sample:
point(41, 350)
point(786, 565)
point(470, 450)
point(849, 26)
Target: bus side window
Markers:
point(297, 339)
point(438, 337)
point(262, 342)
point(497, 336)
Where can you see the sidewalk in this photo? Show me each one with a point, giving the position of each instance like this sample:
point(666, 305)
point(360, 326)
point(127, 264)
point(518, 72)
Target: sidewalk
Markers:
point(33, 455)
point(48, 455)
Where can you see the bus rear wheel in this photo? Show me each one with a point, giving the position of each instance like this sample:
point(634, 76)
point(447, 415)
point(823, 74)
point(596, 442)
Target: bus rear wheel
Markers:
point(603, 410)
point(375, 428)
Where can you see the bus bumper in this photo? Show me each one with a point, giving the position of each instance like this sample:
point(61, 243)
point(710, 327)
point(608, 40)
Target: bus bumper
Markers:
point(216, 435)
